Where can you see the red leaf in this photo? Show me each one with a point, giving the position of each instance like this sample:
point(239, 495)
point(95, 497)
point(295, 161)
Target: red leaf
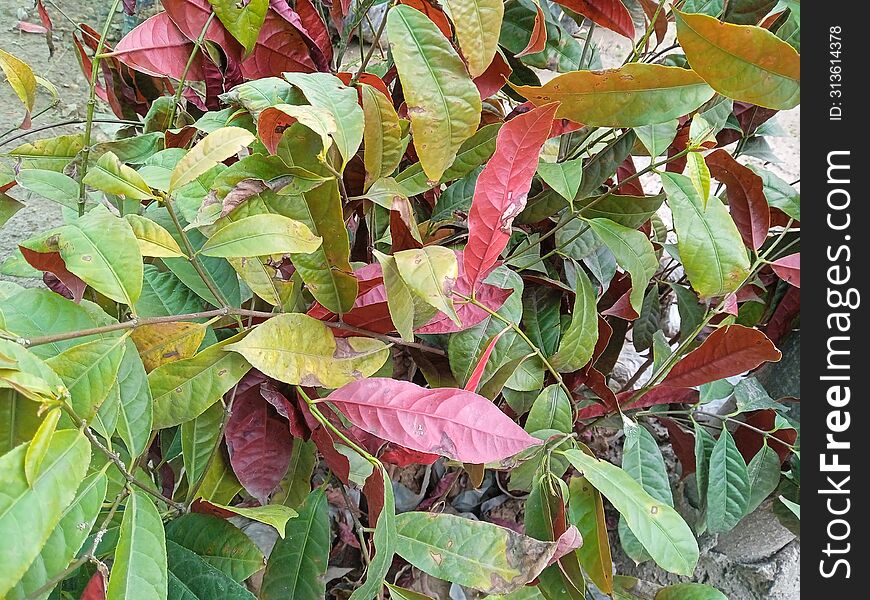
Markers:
point(749, 207)
point(624, 171)
point(279, 48)
point(610, 14)
point(374, 492)
point(455, 423)
point(190, 17)
point(403, 457)
point(622, 308)
point(654, 397)
point(287, 409)
point(683, 443)
point(271, 125)
point(294, 18)
point(96, 588)
point(785, 314)
point(493, 79)
point(474, 380)
point(259, 444)
point(435, 14)
point(749, 441)
point(159, 48)
point(728, 351)
point(315, 27)
point(44, 16)
point(369, 311)
point(538, 39)
point(51, 262)
point(661, 21)
point(502, 189)
point(789, 269)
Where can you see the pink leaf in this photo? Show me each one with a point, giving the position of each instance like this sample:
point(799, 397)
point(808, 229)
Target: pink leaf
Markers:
point(30, 27)
point(259, 444)
point(158, 48)
point(502, 189)
point(789, 269)
point(610, 14)
point(730, 350)
point(279, 48)
point(455, 423)
point(567, 542)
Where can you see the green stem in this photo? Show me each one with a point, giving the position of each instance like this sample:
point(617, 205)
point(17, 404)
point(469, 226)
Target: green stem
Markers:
point(368, 56)
point(586, 46)
point(315, 412)
point(196, 47)
point(92, 102)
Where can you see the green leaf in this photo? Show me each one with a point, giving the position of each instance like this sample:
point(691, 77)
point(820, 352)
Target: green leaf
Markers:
point(430, 273)
point(53, 185)
point(220, 484)
point(89, 371)
point(578, 341)
point(704, 443)
point(259, 235)
point(710, 246)
point(296, 485)
point(214, 148)
point(382, 134)
point(326, 91)
point(661, 530)
point(50, 153)
point(385, 539)
point(242, 20)
point(29, 513)
point(184, 389)
point(139, 568)
point(699, 174)
point(153, 239)
point(657, 138)
point(135, 405)
point(300, 350)
point(8, 207)
point(563, 177)
point(551, 410)
point(38, 446)
point(198, 439)
point(297, 565)
point(628, 211)
point(689, 591)
point(541, 320)
point(642, 459)
point(218, 542)
point(794, 507)
point(398, 593)
point(477, 24)
point(163, 294)
point(65, 540)
point(648, 322)
point(443, 103)
point(742, 62)
point(19, 419)
point(763, 475)
point(691, 311)
point(630, 96)
point(190, 577)
point(562, 51)
point(101, 249)
point(586, 512)
point(112, 176)
point(728, 487)
point(475, 554)
point(633, 252)
point(779, 193)
point(400, 299)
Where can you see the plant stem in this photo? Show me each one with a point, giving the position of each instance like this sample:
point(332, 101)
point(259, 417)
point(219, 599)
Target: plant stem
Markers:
point(92, 102)
point(315, 411)
point(586, 45)
point(368, 56)
point(196, 47)
point(62, 124)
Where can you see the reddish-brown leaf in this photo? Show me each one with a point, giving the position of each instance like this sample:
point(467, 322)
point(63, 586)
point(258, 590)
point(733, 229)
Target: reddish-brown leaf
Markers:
point(683, 443)
point(44, 16)
point(650, 7)
point(654, 397)
point(190, 17)
point(474, 380)
point(493, 79)
point(789, 269)
point(159, 48)
point(502, 189)
point(728, 351)
point(96, 588)
point(538, 39)
point(315, 27)
point(259, 444)
point(435, 14)
point(51, 262)
point(282, 7)
point(279, 48)
point(749, 207)
point(784, 316)
point(749, 441)
point(374, 493)
point(455, 423)
point(610, 14)
point(271, 125)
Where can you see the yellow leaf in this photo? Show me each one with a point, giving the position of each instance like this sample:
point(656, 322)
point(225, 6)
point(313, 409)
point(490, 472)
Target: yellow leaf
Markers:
point(216, 147)
point(21, 78)
point(162, 343)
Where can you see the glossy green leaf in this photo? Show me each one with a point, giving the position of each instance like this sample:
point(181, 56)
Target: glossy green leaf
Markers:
point(710, 246)
point(220, 484)
point(112, 176)
point(633, 252)
point(563, 177)
point(259, 235)
point(190, 577)
point(242, 20)
point(628, 211)
point(29, 513)
point(297, 565)
point(430, 273)
point(52, 185)
point(101, 249)
point(385, 539)
point(578, 341)
point(728, 486)
point(656, 138)
point(443, 102)
point(632, 95)
point(153, 239)
point(218, 542)
point(65, 540)
point(198, 439)
point(135, 411)
point(661, 530)
point(382, 134)
point(326, 91)
point(551, 410)
point(477, 24)
point(779, 193)
point(39, 445)
point(139, 568)
point(642, 459)
point(742, 62)
point(704, 443)
point(689, 591)
point(184, 389)
point(300, 350)
point(296, 485)
point(586, 512)
point(163, 294)
point(89, 371)
point(475, 554)
point(19, 419)
point(763, 475)
point(214, 148)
